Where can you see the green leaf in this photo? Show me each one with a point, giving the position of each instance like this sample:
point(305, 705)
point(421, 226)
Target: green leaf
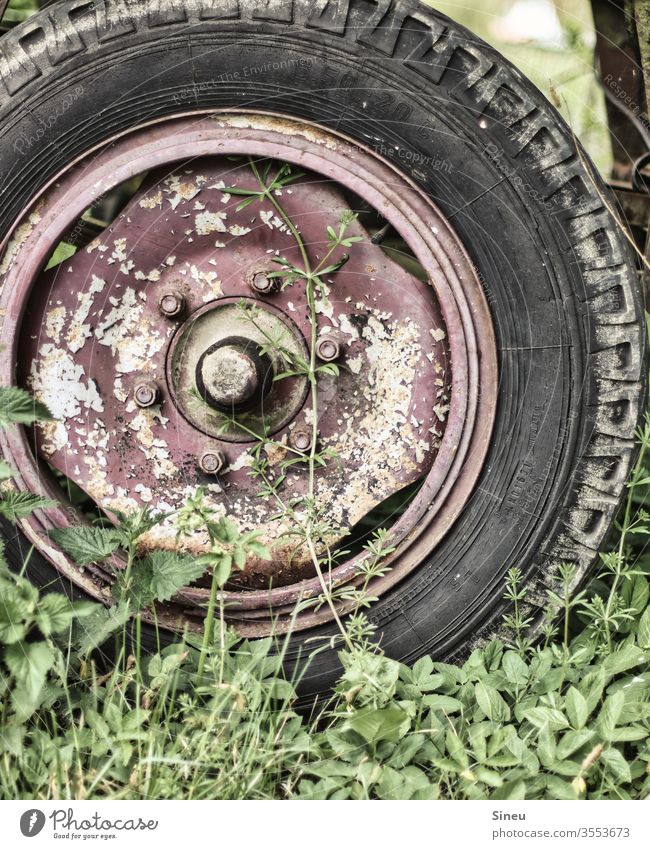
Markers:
point(515, 789)
point(12, 738)
point(514, 668)
point(491, 703)
point(643, 630)
point(19, 407)
point(616, 764)
point(610, 714)
point(239, 556)
point(170, 572)
point(17, 605)
point(447, 704)
point(29, 663)
point(546, 746)
point(85, 544)
point(625, 658)
point(98, 626)
point(572, 741)
point(627, 735)
point(16, 505)
point(259, 549)
point(546, 717)
point(375, 726)
point(219, 563)
point(635, 593)
point(592, 686)
point(576, 708)
point(135, 588)
point(55, 612)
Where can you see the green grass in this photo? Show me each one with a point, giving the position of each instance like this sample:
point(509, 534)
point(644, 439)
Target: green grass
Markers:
point(560, 718)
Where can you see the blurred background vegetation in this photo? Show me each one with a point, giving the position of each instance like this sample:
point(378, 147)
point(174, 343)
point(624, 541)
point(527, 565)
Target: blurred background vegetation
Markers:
point(552, 43)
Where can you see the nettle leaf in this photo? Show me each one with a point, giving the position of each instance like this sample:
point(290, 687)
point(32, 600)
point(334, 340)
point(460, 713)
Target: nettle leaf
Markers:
point(132, 525)
point(86, 544)
point(29, 663)
point(98, 626)
point(16, 505)
point(13, 627)
point(55, 613)
point(12, 738)
point(19, 407)
point(17, 605)
point(491, 703)
point(170, 572)
point(576, 708)
point(135, 587)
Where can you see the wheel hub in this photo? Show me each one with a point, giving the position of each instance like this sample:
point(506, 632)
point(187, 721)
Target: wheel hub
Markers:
point(231, 375)
point(221, 375)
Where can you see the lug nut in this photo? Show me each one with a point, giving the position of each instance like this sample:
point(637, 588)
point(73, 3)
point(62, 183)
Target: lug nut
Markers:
point(171, 304)
point(328, 349)
point(145, 393)
point(300, 439)
point(212, 462)
point(262, 283)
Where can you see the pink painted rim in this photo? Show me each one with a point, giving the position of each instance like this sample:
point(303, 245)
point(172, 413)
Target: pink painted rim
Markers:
point(416, 219)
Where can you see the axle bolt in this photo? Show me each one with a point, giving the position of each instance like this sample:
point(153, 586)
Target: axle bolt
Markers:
point(171, 304)
point(146, 393)
point(212, 462)
point(262, 283)
point(328, 349)
point(300, 439)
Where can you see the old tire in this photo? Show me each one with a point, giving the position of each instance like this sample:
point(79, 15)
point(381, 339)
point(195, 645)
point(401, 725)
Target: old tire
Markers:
point(494, 156)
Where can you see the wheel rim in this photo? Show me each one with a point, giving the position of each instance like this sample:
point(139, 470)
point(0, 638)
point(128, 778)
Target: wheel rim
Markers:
point(451, 304)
